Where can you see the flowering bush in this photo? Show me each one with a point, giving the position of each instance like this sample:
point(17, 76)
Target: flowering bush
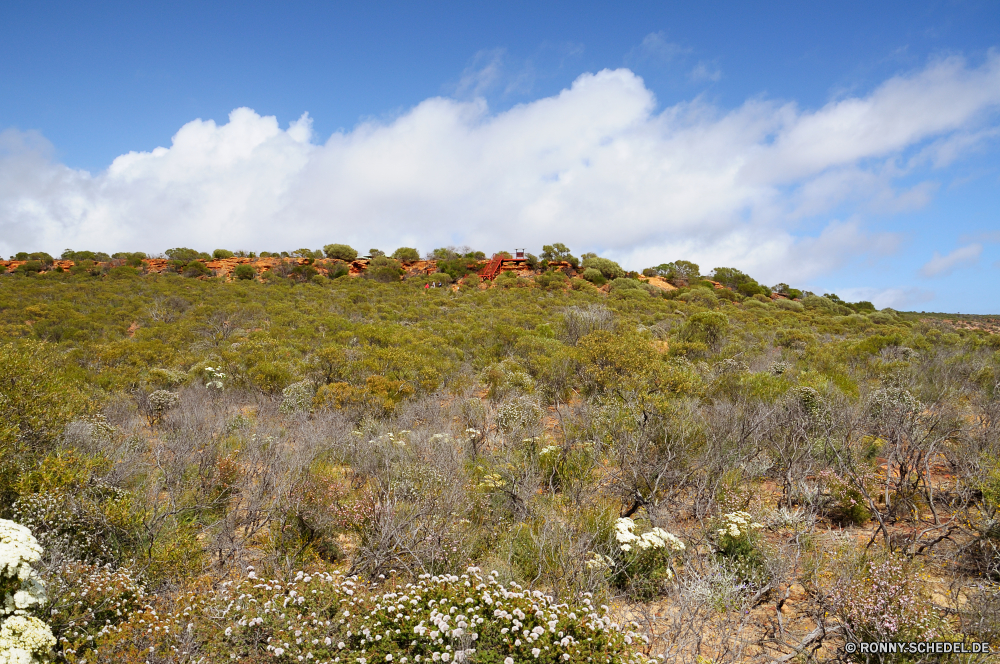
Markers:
point(644, 561)
point(327, 618)
point(297, 397)
point(88, 602)
point(214, 378)
point(885, 603)
point(24, 639)
point(736, 541)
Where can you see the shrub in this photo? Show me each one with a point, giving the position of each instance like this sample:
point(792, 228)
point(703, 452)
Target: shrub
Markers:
point(184, 254)
point(519, 413)
point(608, 268)
point(407, 254)
point(23, 637)
point(297, 397)
point(443, 277)
point(123, 272)
point(707, 327)
point(222, 253)
point(88, 603)
point(341, 252)
point(244, 272)
point(884, 602)
point(552, 279)
point(736, 539)
point(703, 297)
point(325, 618)
point(642, 563)
point(789, 305)
point(622, 283)
point(196, 269)
point(338, 271)
point(558, 252)
point(384, 270)
point(594, 276)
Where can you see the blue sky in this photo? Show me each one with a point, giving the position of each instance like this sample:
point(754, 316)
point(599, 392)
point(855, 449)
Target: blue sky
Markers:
point(847, 147)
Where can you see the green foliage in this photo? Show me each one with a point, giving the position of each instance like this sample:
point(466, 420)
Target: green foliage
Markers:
point(559, 252)
point(184, 254)
point(222, 253)
point(622, 284)
point(738, 281)
point(407, 254)
point(341, 252)
point(608, 268)
point(594, 276)
point(79, 256)
point(682, 270)
point(708, 327)
point(196, 269)
point(244, 271)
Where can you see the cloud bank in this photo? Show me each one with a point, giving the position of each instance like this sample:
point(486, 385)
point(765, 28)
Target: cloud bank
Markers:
point(597, 166)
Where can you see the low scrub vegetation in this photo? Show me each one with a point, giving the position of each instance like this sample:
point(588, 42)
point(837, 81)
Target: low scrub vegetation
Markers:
point(571, 463)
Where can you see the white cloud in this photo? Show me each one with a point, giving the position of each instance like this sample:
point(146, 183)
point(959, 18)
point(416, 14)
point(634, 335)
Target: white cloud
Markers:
point(596, 166)
point(939, 265)
point(705, 72)
point(655, 48)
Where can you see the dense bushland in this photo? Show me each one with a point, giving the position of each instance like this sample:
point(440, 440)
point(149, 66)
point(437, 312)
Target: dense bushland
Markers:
point(308, 468)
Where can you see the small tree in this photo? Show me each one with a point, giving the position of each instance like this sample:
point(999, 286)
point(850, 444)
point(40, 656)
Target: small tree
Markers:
point(559, 252)
point(342, 252)
point(608, 268)
point(406, 254)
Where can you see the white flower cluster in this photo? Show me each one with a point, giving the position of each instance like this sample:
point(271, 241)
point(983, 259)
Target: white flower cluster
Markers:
point(214, 378)
point(600, 562)
point(324, 618)
point(738, 524)
point(657, 538)
point(22, 637)
point(18, 550)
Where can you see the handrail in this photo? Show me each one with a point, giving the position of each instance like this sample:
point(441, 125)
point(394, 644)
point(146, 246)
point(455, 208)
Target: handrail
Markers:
point(492, 268)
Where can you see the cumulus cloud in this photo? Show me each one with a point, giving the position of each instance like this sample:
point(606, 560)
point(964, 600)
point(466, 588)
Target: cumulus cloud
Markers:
point(597, 166)
point(940, 265)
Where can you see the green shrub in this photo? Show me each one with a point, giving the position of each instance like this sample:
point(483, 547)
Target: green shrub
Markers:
point(608, 268)
point(342, 252)
point(789, 305)
point(643, 564)
point(552, 279)
point(407, 254)
point(622, 283)
point(737, 542)
point(244, 272)
point(702, 297)
point(184, 254)
point(222, 253)
point(338, 271)
point(707, 327)
point(443, 277)
point(123, 272)
point(594, 276)
point(196, 269)
point(384, 269)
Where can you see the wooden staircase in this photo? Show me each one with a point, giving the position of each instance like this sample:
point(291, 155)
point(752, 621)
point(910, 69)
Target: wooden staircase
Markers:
point(492, 268)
